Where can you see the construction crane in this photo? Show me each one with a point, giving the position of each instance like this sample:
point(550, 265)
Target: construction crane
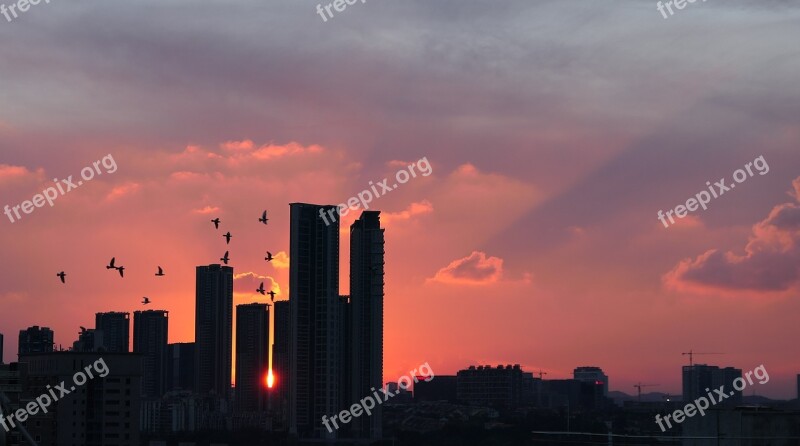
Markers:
point(692, 353)
point(640, 385)
point(541, 373)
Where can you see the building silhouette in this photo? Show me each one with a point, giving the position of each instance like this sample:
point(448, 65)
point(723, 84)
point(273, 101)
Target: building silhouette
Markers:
point(315, 348)
point(150, 331)
point(500, 387)
point(89, 340)
point(252, 356)
point(35, 340)
point(214, 330)
point(1, 348)
point(116, 328)
point(591, 374)
point(280, 361)
point(365, 318)
point(180, 367)
point(700, 380)
point(101, 411)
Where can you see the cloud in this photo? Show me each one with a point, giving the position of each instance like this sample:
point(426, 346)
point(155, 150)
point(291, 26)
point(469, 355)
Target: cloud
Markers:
point(121, 191)
point(207, 210)
point(280, 260)
point(769, 263)
point(238, 145)
point(414, 209)
point(247, 283)
point(475, 269)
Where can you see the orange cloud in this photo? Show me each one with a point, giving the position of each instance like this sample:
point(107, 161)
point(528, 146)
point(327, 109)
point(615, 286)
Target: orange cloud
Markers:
point(247, 283)
point(280, 260)
point(414, 209)
point(207, 210)
point(475, 269)
point(121, 191)
point(238, 145)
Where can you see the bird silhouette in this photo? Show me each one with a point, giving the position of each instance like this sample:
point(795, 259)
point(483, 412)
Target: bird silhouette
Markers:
point(261, 289)
point(227, 238)
point(225, 258)
point(111, 264)
point(271, 295)
point(160, 272)
point(263, 218)
point(63, 276)
point(121, 270)
point(216, 223)
point(269, 257)
point(146, 301)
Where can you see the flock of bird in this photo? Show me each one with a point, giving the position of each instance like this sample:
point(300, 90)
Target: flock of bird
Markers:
point(225, 259)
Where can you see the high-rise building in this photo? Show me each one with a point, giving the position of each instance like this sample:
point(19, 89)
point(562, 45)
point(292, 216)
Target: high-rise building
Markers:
point(500, 386)
point(700, 380)
point(150, 331)
point(1, 348)
point(103, 410)
point(592, 375)
point(214, 330)
point(116, 328)
point(89, 340)
point(366, 318)
point(180, 367)
point(280, 361)
point(252, 356)
point(35, 340)
point(315, 350)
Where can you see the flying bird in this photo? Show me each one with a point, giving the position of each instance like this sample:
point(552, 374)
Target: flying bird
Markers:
point(263, 218)
point(261, 289)
point(146, 301)
point(160, 272)
point(271, 295)
point(63, 276)
point(216, 223)
point(111, 264)
point(121, 270)
point(225, 259)
point(227, 238)
point(269, 257)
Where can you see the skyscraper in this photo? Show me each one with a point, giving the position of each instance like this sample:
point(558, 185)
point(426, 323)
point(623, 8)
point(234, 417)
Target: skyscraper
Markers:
point(366, 317)
point(701, 379)
point(35, 340)
point(150, 330)
point(593, 375)
point(180, 366)
point(1, 348)
point(315, 358)
point(280, 360)
point(252, 356)
point(214, 330)
point(116, 331)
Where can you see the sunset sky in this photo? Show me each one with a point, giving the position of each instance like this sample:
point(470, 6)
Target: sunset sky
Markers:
point(556, 130)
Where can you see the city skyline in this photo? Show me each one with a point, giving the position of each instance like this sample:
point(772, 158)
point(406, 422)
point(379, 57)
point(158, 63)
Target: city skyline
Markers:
point(556, 131)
